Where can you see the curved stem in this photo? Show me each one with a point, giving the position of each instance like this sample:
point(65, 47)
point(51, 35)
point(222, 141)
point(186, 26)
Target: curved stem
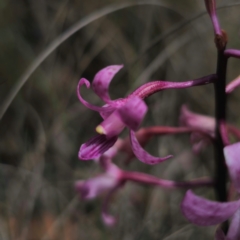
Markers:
point(152, 180)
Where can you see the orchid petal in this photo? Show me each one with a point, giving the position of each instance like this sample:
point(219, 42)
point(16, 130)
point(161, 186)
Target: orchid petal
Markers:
point(197, 147)
point(233, 84)
point(133, 112)
point(141, 154)
point(109, 110)
point(128, 113)
point(111, 126)
point(115, 104)
point(95, 147)
point(102, 80)
point(107, 218)
point(93, 187)
point(234, 229)
point(201, 122)
point(232, 156)
point(87, 104)
point(204, 212)
point(107, 181)
point(219, 235)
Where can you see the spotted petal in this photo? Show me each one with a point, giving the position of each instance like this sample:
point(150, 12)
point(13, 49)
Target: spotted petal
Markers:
point(141, 154)
point(232, 156)
point(204, 212)
point(95, 147)
point(102, 80)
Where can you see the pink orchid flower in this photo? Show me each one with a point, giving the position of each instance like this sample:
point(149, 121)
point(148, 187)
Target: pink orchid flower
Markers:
point(125, 112)
point(113, 178)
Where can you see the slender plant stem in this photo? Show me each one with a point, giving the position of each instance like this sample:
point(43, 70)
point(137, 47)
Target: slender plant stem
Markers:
point(220, 115)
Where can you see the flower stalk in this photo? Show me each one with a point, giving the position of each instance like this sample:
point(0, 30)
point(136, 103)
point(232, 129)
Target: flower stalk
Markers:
point(220, 115)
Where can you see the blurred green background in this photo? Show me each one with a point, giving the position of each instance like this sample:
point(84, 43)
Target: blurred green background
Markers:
point(42, 129)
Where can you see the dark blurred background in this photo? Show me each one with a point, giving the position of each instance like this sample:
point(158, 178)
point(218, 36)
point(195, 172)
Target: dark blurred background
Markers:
point(44, 125)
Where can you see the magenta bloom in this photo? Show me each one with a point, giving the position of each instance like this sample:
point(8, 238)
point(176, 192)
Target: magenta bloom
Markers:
point(125, 112)
point(114, 178)
point(204, 212)
point(116, 114)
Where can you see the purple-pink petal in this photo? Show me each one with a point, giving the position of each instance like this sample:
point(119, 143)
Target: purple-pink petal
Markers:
point(128, 113)
point(141, 154)
point(107, 218)
point(83, 81)
point(93, 187)
point(204, 212)
point(111, 107)
point(234, 229)
point(219, 235)
point(95, 147)
point(108, 181)
point(198, 121)
point(108, 110)
point(112, 125)
point(102, 80)
point(133, 112)
point(233, 84)
point(232, 157)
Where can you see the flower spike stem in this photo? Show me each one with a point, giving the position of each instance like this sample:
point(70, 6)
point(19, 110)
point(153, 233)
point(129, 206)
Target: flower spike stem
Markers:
point(220, 115)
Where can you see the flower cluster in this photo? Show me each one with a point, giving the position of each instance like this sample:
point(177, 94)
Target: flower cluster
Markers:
point(204, 131)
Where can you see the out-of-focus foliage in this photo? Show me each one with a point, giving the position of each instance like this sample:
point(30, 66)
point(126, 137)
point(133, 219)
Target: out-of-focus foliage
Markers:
point(41, 131)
